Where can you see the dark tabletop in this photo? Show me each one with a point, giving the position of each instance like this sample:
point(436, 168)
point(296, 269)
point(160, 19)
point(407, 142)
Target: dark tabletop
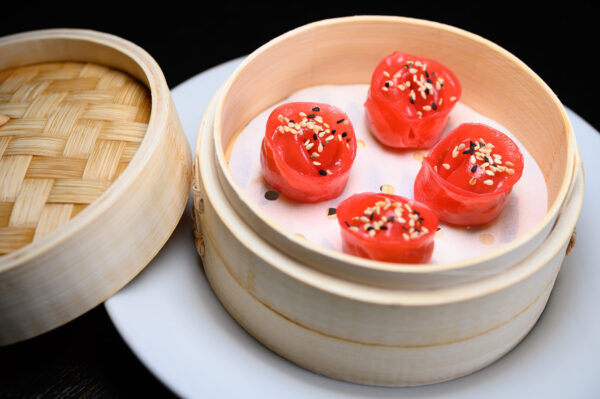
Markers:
point(87, 357)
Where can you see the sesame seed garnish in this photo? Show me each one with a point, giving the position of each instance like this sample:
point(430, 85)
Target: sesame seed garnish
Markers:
point(309, 146)
point(488, 182)
point(322, 172)
point(427, 108)
point(452, 98)
point(384, 88)
point(340, 121)
point(316, 163)
point(508, 163)
point(386, 74)
point(316, 109)
point(446, 166)
point(472, 181)
point(474, 168)
point(510, 171)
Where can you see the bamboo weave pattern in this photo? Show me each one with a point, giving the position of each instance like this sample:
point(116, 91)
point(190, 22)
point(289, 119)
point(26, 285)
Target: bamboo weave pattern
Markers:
point(67, 131)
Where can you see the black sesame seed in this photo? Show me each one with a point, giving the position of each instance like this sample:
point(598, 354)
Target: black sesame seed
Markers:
point(292, 121)
point(271, 195)
point(387, 84)
point(404, 227)
point(412, 100)
point(434, 106)
point(391, 219)
point(333, 131)
point(310, 116)
point(474, 168)
point(331, 211)
point(370, 228)
point(315, 136)
point(438, 229)
point(469, 151)
point(372, 215)
point(347, 224)
point(316, 109)
point(344, 134)
point(348, 139)
point(482, 144)
point(383, 228)
point(421, 219)
point(486, 159)
point(427, 75)
point(405, 66)
point(471, 144)
point(322, 172)
point(429, 81)
point(341, 120)
point(427, 90)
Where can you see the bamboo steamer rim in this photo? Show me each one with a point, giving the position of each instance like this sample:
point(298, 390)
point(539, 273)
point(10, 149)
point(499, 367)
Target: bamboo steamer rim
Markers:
point(152, 77)
point(378, 266)
point(386, 296)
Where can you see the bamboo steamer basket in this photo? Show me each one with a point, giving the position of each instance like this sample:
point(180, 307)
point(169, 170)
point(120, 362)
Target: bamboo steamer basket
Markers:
point(366, 321)
point(94, 173)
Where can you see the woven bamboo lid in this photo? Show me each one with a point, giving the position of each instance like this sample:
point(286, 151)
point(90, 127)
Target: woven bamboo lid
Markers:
point(95, 173)
point(68, 131)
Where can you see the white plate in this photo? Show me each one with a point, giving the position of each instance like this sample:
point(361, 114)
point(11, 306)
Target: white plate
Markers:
point(170, 318)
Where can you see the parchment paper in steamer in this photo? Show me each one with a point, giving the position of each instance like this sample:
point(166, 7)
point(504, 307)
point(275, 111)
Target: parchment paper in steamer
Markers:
point(376, 166)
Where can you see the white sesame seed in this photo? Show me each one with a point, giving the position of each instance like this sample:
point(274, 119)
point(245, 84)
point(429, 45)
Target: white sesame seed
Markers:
point(489, 173)
point(309, 146)
point(371, 233)
point(427, 108)
point(488, 182)
point(446, 166)
point(302, 114)
point(320, 147)
point(452, 98)
point(316, 163)
point(354, 229)
point(384, 88)
point(508, 163)
point(510, 171)
point(413, 70)
point(386, 74)
point(314, 155)
point(280, 118)
point(472, 181)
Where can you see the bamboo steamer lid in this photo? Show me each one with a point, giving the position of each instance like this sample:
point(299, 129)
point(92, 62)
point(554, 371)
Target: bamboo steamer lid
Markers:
point(94, 173)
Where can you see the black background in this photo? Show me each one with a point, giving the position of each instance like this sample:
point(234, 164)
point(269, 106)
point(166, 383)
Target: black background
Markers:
point(87, 358)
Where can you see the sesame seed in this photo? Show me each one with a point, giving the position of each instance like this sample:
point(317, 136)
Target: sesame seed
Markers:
point(322, 172)
point(508, 163)
point(329, 172)
point(316, 109)
point(384, 88)
point(472, 181)
point(386, 74)
point(340, 121)
point(280, 118)
point(510, 171)
point(314, 155)
point(452, 98)
point(354, 229)
point(489, 173)
point(303, 114)
point(434, 106)
point(446, 166)
point(426, 107)
point(309, 146)
point(488, 182)
point(316, 163)
point(320, 147)
point(413, 70)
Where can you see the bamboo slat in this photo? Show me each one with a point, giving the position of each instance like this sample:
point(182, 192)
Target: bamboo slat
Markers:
point(67, 131)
